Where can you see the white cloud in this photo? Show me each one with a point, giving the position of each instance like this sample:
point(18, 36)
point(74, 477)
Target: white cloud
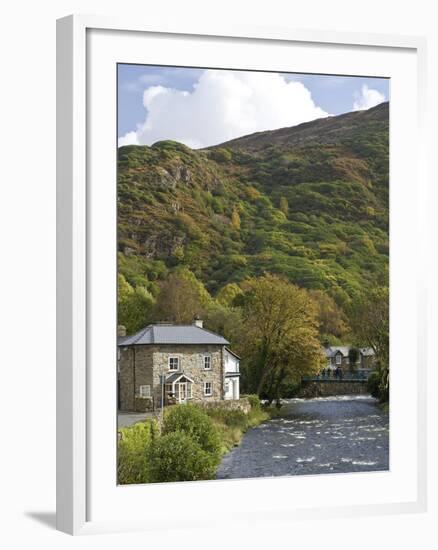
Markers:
point(129, 139)
point(223, 105)
point(367, 98)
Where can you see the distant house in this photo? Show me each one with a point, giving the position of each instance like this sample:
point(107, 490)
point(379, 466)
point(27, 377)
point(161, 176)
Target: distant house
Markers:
point(339, 356)
point(182, 363)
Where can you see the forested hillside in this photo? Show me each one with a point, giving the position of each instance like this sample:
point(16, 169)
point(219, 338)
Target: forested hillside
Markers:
point(309, 203)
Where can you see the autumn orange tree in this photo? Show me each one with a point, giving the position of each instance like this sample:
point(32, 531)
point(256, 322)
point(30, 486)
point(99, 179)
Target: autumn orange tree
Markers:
point(280, 338)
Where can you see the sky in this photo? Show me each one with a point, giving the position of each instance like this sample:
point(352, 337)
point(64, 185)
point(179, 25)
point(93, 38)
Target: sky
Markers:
point(204, 107)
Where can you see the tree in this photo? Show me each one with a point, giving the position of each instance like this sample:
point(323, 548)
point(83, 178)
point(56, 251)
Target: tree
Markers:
point(224, 320)
point(134, 305)
point(182, 297)
point(331, 318)
point(369, 318)
point(353, 357)
point(284, 206)
point(235, 220)
point(228, 293)
point(280, 341)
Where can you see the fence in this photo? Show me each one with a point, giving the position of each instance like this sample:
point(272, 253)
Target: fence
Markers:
point(331, 376)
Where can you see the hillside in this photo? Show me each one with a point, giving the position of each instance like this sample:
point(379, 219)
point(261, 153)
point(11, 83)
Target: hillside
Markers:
point(309, 202)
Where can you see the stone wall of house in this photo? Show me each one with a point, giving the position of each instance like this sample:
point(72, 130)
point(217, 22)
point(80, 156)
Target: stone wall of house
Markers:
point(126, 379)
point(192, 365)
point(231, 405)
point(135, 370)
point(143, 365)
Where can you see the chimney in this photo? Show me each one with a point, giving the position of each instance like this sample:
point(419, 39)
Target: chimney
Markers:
point(198, 322)
point(121, 331)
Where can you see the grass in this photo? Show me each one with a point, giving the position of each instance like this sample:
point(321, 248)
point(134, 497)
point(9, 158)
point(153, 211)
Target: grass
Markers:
point(232, 424)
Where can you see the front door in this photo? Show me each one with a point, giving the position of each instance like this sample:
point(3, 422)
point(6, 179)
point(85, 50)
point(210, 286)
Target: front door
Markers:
point(182, 392)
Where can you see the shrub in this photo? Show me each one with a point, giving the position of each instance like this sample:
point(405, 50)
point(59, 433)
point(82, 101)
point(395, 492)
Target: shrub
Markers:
point(177, 457)
point(132, 461)
point(195, 423)
point(254, 401)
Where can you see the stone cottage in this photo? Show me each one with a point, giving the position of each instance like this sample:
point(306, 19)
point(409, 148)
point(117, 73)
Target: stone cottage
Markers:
point(179, 363)
point(339, 356)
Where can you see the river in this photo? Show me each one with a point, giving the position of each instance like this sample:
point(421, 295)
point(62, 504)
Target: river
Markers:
point(314, 436)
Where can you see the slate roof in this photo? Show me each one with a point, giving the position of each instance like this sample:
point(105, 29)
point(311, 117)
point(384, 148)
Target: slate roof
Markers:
point(333, 350)
point(178, 376)
point(367, 352)
point(172, 334)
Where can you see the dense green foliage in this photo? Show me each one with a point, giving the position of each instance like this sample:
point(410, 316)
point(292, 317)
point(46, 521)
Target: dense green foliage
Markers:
point(195, 423)
point(189, 447)
point(133, 448)
point(177, 457)
point(280, 342)
point(309, 203)
point(369, 317)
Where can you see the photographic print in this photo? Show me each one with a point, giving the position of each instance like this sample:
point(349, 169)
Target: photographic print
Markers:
point(253, 274)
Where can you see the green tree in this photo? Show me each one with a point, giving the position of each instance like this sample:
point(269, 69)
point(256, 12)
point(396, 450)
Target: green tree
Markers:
point(235, 220)
point(135, 305)
point(224, 320)
point(353, 357)
point(228, 293)
point(280, 340)
point(331, 318)
point(284, 206)
point(181, 298)
point(369, 318)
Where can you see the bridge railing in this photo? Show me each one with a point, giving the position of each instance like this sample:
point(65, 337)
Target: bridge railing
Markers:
point(354, 376)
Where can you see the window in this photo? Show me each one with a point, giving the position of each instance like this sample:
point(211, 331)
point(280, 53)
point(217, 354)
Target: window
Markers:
point(173, 363)
point(227, 387)
point(189, 390)
point(339, 359)
point(207, 362)
point(145, 391)
point(208, 389)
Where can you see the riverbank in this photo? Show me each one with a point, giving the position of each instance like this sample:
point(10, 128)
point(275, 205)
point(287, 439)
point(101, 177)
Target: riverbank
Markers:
point(336, 434)
point(190, 442)
point(233, 424)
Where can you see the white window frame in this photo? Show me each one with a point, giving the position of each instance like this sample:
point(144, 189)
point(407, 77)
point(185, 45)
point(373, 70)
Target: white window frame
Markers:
point(208, 394)
point(205, 357)
point(338, 359)
point(171, 357)
point(143, 392)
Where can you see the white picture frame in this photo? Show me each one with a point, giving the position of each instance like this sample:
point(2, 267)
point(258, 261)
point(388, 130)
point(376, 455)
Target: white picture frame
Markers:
point(78, 303)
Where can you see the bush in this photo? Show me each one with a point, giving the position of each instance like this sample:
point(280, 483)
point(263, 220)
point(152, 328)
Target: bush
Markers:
point(132, 461)
point(254, 401)
point(177, 457)
point(195, 423)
